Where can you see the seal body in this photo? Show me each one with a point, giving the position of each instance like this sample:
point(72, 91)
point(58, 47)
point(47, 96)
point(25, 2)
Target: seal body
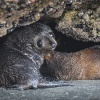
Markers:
point(22, 55)
point(82, 65)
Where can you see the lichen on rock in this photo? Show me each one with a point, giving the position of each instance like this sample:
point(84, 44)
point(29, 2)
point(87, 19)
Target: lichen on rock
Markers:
point(81, 24)
point(79, 19)
point(25, 12)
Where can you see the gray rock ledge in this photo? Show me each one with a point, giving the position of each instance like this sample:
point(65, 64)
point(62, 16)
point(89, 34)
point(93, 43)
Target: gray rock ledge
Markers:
point(83, 90)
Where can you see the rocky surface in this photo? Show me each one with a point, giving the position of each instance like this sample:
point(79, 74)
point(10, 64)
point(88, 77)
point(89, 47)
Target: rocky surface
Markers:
point(82, 21)
point(79, 19)
point(15, 13)
point(83, 90)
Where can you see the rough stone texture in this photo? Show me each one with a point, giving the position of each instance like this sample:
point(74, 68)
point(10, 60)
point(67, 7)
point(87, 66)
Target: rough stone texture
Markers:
point(83, 4)
point(25, 12)
point(83, 90)
point(81, 21)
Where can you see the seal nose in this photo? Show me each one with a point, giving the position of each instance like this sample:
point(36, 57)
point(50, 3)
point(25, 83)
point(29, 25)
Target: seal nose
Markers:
point(54, 45)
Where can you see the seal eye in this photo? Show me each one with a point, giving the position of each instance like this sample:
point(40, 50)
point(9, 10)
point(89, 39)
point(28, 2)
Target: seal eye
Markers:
point(39, 43)
point(51, 34)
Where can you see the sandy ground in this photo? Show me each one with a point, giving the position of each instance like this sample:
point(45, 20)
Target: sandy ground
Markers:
point(82, 90)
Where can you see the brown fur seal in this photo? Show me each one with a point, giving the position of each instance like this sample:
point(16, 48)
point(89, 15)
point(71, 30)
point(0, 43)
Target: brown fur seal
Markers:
point(22, 55)
point(82, 65)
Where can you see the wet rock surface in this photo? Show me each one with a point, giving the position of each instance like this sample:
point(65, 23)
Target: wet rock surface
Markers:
point(83, 90)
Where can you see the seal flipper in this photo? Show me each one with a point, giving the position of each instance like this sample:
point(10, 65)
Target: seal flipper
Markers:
point(43, 84)
point(48, 84)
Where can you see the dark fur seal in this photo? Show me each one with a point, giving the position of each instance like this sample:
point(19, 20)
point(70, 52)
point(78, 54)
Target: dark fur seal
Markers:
point(22, 55)
point(82, 65)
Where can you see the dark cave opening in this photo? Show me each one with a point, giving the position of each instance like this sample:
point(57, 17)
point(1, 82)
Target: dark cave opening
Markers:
point(68, 44)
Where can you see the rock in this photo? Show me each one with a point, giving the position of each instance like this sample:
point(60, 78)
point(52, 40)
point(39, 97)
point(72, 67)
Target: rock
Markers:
point(15, 13)
point(81, 21)
point(82, 90)
point(81, 24)
point(84, 4)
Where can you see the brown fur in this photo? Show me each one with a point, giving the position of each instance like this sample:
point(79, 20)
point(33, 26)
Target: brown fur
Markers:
point(82, 65)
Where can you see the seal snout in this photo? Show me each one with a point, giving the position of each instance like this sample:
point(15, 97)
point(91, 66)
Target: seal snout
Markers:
point(53, 43)
point(53, 46)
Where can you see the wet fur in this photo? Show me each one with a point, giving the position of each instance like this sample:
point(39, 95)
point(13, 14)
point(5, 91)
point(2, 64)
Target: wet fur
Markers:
point(82, 65)
point(21, 59)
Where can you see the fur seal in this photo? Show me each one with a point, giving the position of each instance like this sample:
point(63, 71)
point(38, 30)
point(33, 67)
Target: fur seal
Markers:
point(22, 55)
point(81, 65)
